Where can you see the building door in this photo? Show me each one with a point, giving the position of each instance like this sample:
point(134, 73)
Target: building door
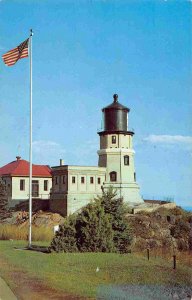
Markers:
point(35, 188)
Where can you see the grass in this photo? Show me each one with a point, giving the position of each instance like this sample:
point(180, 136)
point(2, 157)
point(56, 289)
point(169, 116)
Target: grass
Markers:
point(15, 232)
point(75, 273)
point(182, 257)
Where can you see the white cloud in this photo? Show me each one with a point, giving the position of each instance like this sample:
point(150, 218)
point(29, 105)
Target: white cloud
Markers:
point(169, 139)
point(41, 146)
point(47, 152)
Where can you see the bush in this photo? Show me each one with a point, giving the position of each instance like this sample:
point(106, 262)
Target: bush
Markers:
point(99, 227)
point(117, 210)
point(65, 238)
point(94, 231)
point(4, 211)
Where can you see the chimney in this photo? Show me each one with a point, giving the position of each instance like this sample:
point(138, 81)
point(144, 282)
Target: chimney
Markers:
point(61, 162)
point(18, 157)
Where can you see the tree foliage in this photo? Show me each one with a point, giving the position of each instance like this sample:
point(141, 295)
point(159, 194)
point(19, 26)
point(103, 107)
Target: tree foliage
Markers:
point(65, 238)
point(116, 209)
point(99, 227)
point(94, 231)
point(4, 210)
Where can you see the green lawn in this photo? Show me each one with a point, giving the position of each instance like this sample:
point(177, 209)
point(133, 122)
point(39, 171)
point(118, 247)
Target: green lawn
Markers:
point(75, 274)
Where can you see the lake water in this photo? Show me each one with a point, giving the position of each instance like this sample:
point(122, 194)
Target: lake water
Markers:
point(188, 208)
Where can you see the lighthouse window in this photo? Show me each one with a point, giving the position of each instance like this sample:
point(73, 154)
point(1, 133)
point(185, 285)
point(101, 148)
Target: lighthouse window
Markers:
point(73, 179)
point(126, 160)
point(113, 176)
point(113, 139)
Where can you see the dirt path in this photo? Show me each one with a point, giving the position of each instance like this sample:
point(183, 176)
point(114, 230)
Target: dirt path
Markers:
point(29, 288)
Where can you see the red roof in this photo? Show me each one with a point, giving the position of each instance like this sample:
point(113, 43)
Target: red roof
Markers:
point(20, 167)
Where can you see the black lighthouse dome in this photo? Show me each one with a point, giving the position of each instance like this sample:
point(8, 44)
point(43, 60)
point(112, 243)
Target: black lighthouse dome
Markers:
point(115, 116)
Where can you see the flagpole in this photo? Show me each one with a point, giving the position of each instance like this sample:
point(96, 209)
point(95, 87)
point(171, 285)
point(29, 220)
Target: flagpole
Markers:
point(30, 143)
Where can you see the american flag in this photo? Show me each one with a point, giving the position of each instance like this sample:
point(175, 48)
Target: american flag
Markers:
point(12, 56)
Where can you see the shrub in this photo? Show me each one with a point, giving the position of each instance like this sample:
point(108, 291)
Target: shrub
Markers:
point(99, 227)
point(4, 211)
point(65, 238)
point(94, 231)
point(116, 209)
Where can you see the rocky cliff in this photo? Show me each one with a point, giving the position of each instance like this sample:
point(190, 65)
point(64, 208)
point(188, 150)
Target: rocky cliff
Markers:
point(162, 228)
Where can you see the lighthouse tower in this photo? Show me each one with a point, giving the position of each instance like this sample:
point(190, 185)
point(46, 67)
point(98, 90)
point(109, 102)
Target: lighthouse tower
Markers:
point(116, 153)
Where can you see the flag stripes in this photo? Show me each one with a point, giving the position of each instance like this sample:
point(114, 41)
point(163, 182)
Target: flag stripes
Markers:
point(13, 55)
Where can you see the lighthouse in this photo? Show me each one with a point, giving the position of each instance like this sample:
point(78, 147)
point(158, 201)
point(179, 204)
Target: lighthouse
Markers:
point(73, 187)
point(116, 152)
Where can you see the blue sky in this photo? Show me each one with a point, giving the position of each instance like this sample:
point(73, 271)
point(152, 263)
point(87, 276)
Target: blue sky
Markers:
point(83, 53)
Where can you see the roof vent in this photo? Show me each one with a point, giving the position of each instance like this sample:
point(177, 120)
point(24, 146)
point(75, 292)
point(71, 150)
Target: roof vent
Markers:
point(18, 157)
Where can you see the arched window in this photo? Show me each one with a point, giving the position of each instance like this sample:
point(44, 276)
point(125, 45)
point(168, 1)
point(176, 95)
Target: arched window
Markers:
point(113, 176)
point(113, 139)
point(126, 160)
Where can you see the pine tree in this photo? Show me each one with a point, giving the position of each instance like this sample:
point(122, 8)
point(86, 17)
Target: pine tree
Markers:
point(65, 237)
point(89, 231)
point(94, 231)
point(116, 209)
point(99, 227)
point(4, 210)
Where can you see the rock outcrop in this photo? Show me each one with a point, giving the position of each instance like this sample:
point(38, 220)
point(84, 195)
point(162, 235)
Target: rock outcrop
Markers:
point(162, 228)
point(39, 219)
